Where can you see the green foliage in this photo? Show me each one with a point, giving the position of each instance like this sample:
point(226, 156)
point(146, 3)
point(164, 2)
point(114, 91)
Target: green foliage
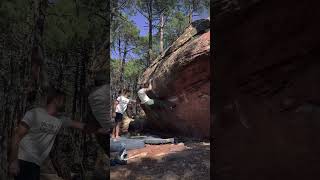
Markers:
point(174, 27)
point(176, 17)
point(166, 7)
point(134, 69)
point(197, 6)
point(73, 34)
point(68, 23)
point(15, 21)
point(126, 32)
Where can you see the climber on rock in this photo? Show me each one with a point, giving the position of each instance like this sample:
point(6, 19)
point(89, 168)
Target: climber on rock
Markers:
point(153, 103)
point(119, 107)
point(35, 135)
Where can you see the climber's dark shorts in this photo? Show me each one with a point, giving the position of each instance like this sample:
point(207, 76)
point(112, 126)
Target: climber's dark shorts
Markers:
point(161, 104)
point(118, 117)
point(28, 171)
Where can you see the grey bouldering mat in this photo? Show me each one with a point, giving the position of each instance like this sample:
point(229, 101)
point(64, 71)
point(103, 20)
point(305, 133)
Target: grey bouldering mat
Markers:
point(137, 142)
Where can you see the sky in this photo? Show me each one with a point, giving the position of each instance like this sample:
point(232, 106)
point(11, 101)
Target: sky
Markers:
point(141, 23)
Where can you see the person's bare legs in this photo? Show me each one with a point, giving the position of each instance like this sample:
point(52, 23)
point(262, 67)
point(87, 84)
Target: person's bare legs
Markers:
point(117, 130)
point(114, 132)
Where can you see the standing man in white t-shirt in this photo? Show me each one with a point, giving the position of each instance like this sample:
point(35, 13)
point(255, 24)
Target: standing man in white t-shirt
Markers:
point(35, 136)
point(120, 107)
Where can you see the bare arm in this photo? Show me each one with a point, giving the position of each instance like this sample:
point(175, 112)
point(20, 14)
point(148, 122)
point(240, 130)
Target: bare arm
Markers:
point(132, 100)
point(81, 126)
point(150, 85)
point(20, 132)
point(77, 125)
point(115, 103)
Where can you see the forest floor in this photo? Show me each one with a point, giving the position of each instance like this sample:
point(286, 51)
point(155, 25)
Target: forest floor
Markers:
point(187, 160)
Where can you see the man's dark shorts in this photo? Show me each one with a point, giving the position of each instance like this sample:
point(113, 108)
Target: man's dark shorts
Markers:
point(28, 171)
point(118, 117)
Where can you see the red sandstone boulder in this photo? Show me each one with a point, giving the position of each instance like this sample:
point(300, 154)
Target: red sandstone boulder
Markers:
point(183, 72)
point(266, 90)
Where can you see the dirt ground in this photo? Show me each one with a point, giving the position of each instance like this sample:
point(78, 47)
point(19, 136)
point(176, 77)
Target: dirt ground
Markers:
point(188, 160)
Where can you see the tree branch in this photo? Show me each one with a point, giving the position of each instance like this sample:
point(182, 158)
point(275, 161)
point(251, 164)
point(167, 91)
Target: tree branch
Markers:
point(99, 15)
point(121, 6)
point(140, 11)
point(58, 15)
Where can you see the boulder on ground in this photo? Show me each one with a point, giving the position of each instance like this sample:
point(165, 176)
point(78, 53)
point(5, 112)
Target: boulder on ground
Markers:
point(183, 74)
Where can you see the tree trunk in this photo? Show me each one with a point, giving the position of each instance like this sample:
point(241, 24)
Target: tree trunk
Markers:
point(161, 32)
point(75, 94)
point(150, 34)
point(190, 14)
point(123, 65)
point(83, 108)
point(113, 5)
point(37, 55)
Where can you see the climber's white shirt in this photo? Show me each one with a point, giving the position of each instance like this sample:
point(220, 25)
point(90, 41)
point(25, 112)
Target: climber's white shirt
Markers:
point(144, 97)
point(122, 104)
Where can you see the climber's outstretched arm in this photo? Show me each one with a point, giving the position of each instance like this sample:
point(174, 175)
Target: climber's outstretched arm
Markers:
point(138, 101)
point(132, 101)
point(150, 85)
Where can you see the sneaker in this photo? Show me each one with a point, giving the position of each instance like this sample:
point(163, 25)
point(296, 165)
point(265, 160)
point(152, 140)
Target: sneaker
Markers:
point(121, 162)
point(123, 155)
point(113, 162)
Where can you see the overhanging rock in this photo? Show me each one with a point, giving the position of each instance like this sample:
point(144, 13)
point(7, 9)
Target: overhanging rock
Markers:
point(183, 73)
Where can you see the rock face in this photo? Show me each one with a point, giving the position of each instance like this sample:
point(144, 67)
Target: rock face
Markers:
point(266, 89)
point(183, 73)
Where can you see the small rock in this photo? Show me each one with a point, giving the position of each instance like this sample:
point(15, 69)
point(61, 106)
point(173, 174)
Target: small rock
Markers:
point(170, 176)
point(207, 164)
point(205, 144)
point(188, 174)
point(193, 166)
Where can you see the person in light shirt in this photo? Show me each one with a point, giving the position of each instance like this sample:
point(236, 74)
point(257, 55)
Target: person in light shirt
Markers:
point(120, 107)
point(34, 137)
point(153, 103)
